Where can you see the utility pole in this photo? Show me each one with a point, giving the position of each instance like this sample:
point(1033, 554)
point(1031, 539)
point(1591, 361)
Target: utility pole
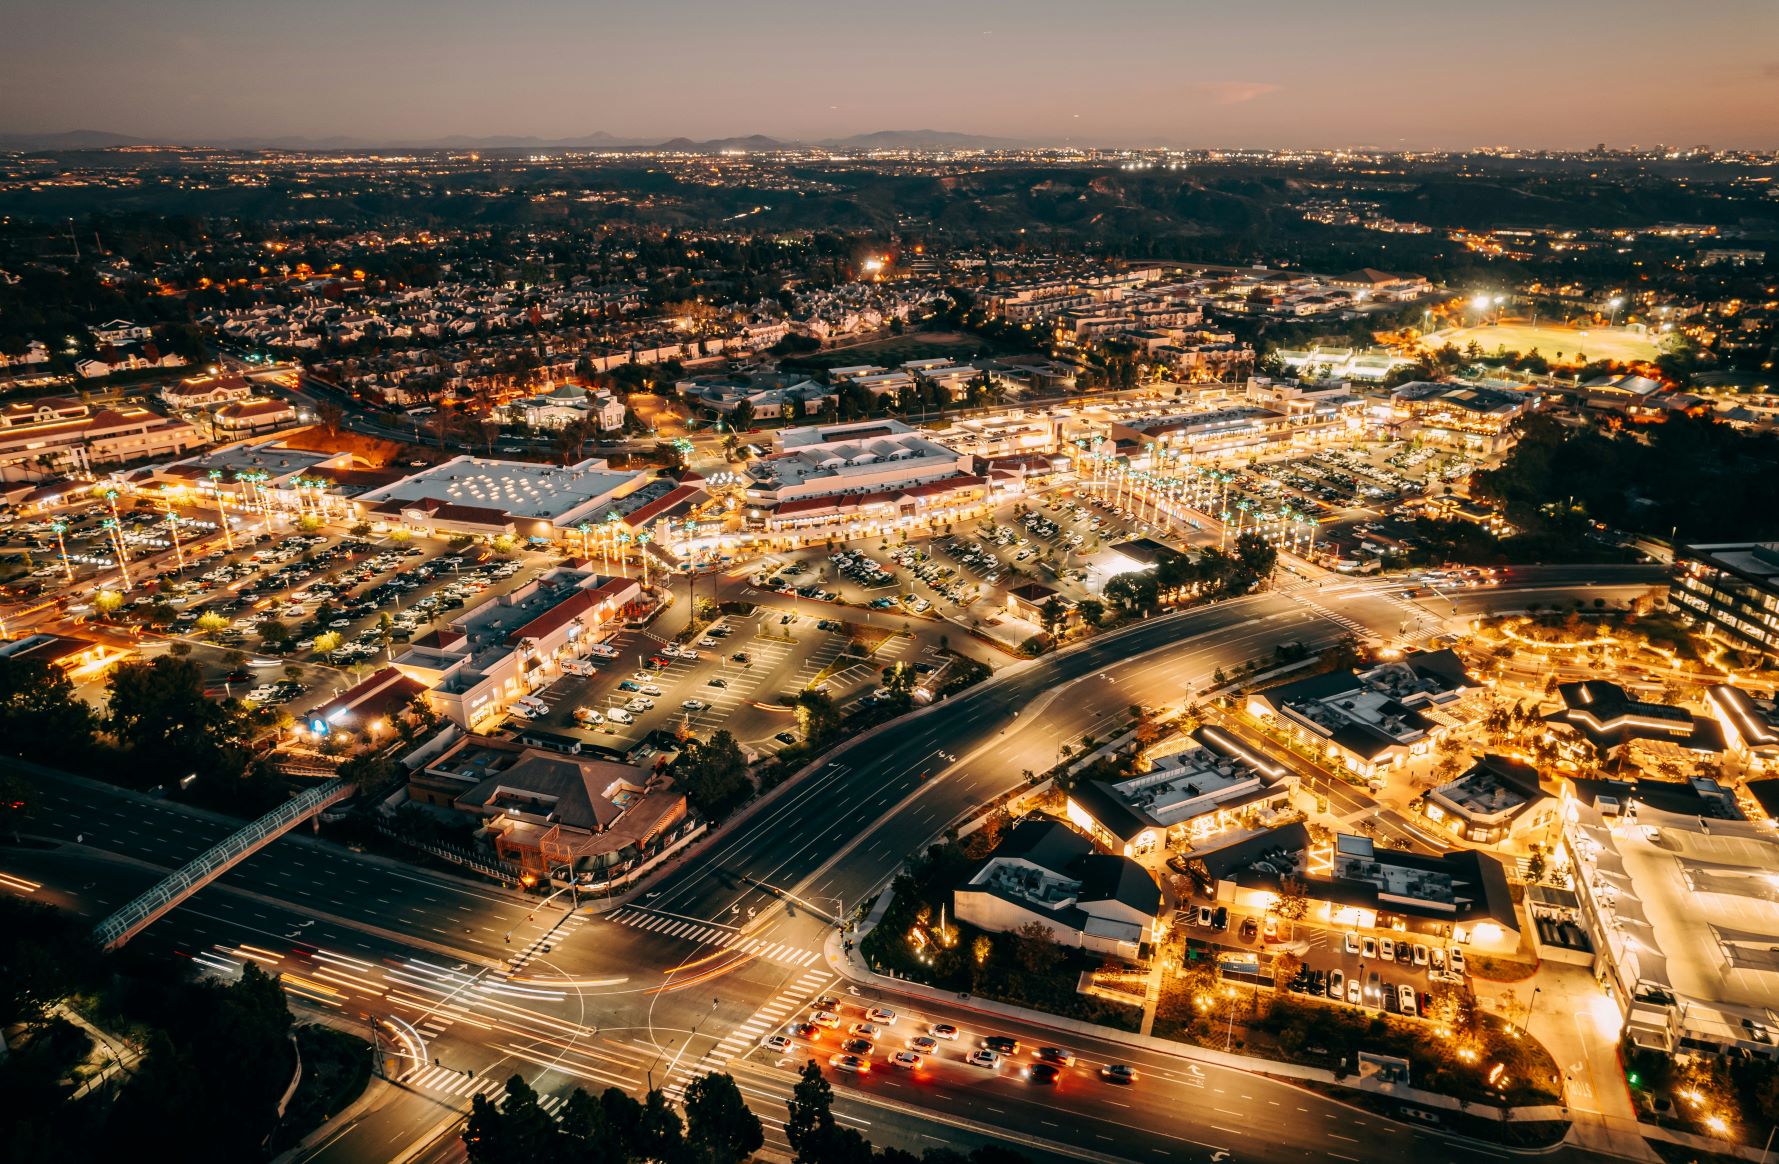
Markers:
point(376, 1045)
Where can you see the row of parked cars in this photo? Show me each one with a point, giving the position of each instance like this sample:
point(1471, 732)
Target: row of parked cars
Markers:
point(942, 579)
point(974, 557)
point(1371, 991)
point(1439, 963)
point(861, 569)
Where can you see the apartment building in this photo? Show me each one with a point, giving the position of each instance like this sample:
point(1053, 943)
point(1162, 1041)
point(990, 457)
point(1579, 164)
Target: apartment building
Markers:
point(45, 437)
point(1731, 590)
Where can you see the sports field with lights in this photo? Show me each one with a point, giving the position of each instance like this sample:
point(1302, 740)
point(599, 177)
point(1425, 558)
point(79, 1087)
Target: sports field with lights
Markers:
point(1576, 345)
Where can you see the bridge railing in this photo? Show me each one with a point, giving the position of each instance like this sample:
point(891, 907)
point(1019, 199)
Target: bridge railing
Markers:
point(204, 868)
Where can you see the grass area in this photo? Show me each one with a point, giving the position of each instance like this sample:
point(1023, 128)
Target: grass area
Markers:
point(1576, 345)
point(336, 1067)
point(1500, 969)
point(1732, 1101)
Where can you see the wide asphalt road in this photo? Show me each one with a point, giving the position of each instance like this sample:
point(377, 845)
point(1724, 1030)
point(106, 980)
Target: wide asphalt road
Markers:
point(683, 979)
point(844, 830)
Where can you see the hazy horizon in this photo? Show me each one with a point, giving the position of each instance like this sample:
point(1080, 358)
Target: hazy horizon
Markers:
point(1270, 74)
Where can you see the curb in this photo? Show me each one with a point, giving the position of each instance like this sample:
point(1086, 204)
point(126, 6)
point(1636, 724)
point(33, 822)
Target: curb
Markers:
point(1280, 1072)
point(1005, 674)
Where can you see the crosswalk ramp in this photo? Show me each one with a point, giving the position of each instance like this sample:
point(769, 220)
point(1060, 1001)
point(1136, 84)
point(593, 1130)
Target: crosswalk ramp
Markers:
point(772, 1017)
point(711, 934)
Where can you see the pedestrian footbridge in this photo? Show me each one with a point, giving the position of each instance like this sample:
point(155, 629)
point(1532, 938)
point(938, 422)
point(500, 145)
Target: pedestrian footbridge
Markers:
point(137, 914)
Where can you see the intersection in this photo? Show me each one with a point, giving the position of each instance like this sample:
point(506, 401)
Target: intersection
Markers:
point(467, 984)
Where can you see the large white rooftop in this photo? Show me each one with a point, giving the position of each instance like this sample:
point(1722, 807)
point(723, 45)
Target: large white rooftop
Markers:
point(520, 489)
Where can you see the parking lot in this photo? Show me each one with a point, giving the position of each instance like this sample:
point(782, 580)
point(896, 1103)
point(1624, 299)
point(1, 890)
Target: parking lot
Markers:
point(1369, 969)
point(732, 677)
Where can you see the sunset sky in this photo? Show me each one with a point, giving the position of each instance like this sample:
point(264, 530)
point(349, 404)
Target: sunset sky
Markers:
point(1433, 73)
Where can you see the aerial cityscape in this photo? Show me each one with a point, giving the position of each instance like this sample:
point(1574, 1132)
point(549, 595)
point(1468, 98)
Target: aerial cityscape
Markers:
point(572, 590)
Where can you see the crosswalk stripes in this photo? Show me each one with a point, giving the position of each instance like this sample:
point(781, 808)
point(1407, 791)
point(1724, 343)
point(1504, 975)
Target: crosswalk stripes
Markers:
point(771, 1016)
point(448, 1081)
point(451, 1081)
point(550, 936)
point(712, 934)
point(1344, 622)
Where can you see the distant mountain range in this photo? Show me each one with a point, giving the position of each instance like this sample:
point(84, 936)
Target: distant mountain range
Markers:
point(889, 139)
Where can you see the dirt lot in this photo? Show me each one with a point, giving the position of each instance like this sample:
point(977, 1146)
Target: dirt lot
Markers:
point(373, 451)
point(1557, 344)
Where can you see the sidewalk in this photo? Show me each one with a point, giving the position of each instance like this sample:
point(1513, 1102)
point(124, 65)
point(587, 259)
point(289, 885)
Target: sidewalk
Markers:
point(1571, 1018)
